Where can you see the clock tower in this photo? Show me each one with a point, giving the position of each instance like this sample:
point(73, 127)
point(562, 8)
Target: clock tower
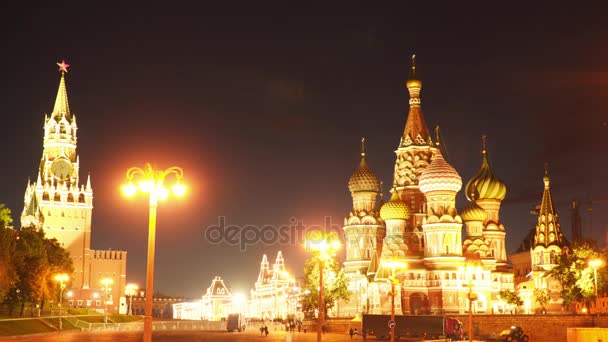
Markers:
point(62, 206)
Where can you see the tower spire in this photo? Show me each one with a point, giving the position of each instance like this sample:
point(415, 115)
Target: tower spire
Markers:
point(437, 142)
point(362, 147)
point(548, 231)
point(416, 131)
point(61, 102)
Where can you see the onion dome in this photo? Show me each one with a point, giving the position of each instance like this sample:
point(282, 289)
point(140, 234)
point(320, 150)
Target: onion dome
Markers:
point(439, 176)
point(473, 212)
point(395, 209)
point(485, 183)
point(364, 179)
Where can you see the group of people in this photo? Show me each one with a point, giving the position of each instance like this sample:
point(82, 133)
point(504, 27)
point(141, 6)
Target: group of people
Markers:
point(264, 330)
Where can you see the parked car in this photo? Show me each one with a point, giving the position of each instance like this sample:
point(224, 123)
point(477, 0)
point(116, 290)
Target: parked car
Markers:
point(514, 334)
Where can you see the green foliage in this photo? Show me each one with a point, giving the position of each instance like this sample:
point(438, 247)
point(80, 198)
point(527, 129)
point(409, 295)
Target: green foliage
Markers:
point(511, 298)
point(35, 260)
point(5, 216)
point(334, 284)
point(576, 276)
point(542, 298)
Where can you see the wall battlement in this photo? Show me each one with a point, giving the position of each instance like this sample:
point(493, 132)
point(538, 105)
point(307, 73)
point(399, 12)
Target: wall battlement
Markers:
point(109, 255)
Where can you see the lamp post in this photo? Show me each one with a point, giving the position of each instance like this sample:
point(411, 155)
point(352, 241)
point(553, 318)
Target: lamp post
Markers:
point(106, 286)
point(468, 272)
point(131, 290)
point(61, 278)
point(325, 245)
point(595, 264)
point(393, 265)
point(151, 182)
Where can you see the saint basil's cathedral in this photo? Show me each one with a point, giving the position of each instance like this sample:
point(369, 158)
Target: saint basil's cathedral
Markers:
point(421, 228)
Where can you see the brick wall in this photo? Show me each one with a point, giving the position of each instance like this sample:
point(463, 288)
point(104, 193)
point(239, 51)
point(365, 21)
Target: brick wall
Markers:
point(540, 328)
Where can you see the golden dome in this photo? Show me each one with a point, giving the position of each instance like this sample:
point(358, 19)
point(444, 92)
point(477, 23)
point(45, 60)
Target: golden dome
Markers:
point(473, 212)
point(439, 176)
point(395, 209)
point(485, 185)
point(413, 83)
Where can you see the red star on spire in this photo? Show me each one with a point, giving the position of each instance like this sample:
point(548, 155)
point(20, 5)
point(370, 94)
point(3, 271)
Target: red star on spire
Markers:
point(63, 66)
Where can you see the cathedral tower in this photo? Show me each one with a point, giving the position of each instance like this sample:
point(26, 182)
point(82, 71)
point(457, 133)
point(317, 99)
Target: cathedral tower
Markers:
point(442, 226)
point(488, 191)
point(413, 154)
point(548, 238)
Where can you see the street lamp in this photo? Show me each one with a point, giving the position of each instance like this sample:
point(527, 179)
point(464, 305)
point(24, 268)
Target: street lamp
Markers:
point(151, 182)
point(595, 264)
point(106, 283)
point(393, 264)
point(325, 245)
point(131, 290)
point(469, 271)
point(61, 278)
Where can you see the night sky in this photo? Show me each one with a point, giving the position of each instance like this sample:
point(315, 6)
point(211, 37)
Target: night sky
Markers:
point(264, 108)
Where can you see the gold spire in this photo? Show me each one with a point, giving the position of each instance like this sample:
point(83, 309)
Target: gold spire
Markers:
point(416, 132)
point(548, 229)
point(61, 102)
point(437, 143)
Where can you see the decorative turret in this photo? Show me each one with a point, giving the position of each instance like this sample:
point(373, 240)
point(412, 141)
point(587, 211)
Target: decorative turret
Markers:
point(487, 189)
point(394, 213)
point(416, 131)
point(548, 238)
point(264, 274)
point(364, 185)
point(442, 226)
point(548, 229)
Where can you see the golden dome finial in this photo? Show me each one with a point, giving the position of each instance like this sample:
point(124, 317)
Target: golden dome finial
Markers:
point(437, 142)
point(413, 82)
point(363, 147)
point(414, 66)
point(484, 142)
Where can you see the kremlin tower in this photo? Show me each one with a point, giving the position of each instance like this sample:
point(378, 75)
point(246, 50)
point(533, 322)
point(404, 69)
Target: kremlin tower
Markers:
point(62, 206)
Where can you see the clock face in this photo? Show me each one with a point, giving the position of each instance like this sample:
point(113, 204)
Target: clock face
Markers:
point(61, 169)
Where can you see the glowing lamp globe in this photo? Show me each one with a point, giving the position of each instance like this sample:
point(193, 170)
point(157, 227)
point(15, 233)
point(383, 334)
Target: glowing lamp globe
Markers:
point(129, 189)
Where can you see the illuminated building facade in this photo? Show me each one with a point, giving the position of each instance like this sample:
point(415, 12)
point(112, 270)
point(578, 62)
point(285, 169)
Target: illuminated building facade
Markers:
point(58, 203)
point(275, 293)
point(421, 227)
point(214, 305)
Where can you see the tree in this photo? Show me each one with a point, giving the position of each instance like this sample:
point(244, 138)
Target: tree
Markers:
point(5, 216)
point(8, 271)
point(542, 298)
point(511, 298)
point(334, 284)
point(37, 259)
point(575, 275)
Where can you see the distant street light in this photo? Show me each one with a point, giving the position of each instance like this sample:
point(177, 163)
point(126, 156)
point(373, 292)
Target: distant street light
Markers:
point(106, 283)
point(325, 245)
point(595, 264)
point(61, 278)
point(151, 182)
point(131, 290)
point(393, 264)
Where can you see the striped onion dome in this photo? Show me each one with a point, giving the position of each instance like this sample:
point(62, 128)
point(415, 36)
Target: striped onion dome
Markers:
point(395, 209)
point(473, 212)
point(485, 185)
point(439, 176)
point(363, 179)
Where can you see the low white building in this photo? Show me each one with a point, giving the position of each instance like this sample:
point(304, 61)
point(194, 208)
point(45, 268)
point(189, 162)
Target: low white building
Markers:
point(215, 305)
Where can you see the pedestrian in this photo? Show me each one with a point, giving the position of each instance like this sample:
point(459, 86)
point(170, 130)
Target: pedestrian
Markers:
point(261, 330)
point(356, 332)
point(351, 332)
point(266, 330)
